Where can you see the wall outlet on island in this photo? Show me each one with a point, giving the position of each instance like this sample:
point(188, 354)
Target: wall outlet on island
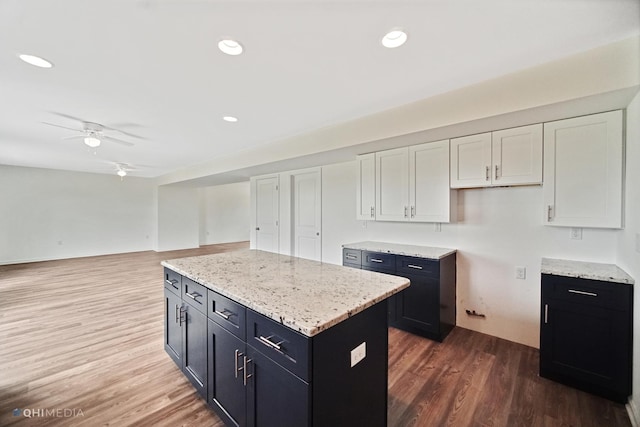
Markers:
point(358, 353)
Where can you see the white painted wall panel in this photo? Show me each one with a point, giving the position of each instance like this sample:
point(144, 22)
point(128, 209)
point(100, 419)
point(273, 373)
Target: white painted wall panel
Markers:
point(224, 213)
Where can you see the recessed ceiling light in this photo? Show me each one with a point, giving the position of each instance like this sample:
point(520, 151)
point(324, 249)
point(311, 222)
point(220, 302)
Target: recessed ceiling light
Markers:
point(394, 38)
point(92, 141)
point(230, 119)
point(35, 61)
point(230, 47)
point(121, 173)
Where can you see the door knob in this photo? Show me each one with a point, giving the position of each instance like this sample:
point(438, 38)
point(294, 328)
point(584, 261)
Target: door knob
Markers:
point(257, 228)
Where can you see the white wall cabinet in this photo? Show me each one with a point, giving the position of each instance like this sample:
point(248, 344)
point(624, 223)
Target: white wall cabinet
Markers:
point(583, 171)
point(505, 157)
point(366, 190)
point(412, 184)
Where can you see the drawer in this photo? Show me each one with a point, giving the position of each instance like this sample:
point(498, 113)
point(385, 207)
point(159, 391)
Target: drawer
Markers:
point(194, 294)
point(587, 292)
point(173, 281)
point(352, 257)
point(283, 345)
point(377, 261)
point(227, 313)
point(419, 266)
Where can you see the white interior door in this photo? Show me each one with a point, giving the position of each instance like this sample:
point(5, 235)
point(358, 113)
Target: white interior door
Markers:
point(307, 212)
point(267, 214)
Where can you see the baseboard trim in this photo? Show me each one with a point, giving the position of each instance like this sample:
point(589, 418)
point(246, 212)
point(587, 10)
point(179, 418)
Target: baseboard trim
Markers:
point(632, 411)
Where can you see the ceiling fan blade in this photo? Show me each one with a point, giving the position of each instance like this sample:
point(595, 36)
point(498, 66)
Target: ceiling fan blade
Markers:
point(117, 141)
point(69, 117)
point(74, 137)
point(63, 127)
point(133, 135)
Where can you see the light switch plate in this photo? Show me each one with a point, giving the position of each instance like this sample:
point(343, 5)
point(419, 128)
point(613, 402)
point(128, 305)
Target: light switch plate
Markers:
point(521, 273)
point(576, 233)
point(358, 353)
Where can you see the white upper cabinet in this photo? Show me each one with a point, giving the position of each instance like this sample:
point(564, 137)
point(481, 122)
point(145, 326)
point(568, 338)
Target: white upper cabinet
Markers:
point(583, 160)
point(412, 184)
point(392, 185)
point(430, 197)
point(505, 157)
point(366, 190)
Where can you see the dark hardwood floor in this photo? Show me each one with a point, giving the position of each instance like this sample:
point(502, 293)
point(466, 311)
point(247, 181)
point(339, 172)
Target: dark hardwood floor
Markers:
point(81, 344)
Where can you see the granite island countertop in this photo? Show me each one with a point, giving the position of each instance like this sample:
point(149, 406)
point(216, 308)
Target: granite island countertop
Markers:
point(585, 270)
point(399, 249)
point(307, 296)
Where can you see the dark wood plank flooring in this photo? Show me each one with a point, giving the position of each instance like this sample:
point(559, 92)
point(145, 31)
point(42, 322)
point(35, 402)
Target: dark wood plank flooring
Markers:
point(85, 335)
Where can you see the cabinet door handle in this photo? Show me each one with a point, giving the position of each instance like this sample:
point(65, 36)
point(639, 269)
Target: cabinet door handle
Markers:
point(349, 256)
point(590, 294)
point(177, 313)
point(172, 283)
point(245, 376)
point(193, 296)
point(413, 211)
point(238, 353)
point(486, 173)
point(373, 212)
point(257, 228)
point(417, 267)
point(375, 260)
point(496, 172)
point(405, 212)
point(225, 314)
point(548, 213)
point(269, 343)
point(181, 315)
point(546, 314)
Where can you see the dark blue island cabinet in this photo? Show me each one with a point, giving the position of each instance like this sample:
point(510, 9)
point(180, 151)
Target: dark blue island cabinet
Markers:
point(259, 372)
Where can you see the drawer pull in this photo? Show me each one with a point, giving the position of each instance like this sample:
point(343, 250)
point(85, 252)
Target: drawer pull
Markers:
point(349, 256)
point(172, 283)
point(417, 267)
point(238, 353)
point(546, 314)
point(193, 296)
point(376, 260)
point(244, 370)
point(268, 342)
point(225, 314)
point(590, 294)
point(177, 313)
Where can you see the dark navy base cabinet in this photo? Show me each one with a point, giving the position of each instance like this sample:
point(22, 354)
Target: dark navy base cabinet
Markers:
point(258, 372)
point(428, 306)
point(586, 335)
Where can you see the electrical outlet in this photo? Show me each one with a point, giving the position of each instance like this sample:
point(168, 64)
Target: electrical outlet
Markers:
point(358, 353)
point(576, 233)
point(521, 273)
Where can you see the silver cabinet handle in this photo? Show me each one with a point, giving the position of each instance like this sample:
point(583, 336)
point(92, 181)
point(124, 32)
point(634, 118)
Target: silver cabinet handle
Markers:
point(245, 361)
point(486, 173)
point(177, 313)
point(225, 314)
point(546, 314)
point(549, 213)
point(171, 282)
point(193, 296)
point(375, 260)
point(238, 353)
point(590, 294)
point(405, 212)
point(269, 343)
point(413, 211)
point(496, 172)
point(180, 315)
point(349, 256)
point(417, 267)
point(373, 211)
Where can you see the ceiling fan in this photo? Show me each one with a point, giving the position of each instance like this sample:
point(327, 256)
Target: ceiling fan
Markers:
point(92, 133)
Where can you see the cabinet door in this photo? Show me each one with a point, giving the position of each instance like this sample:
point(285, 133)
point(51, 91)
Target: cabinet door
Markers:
point(419, 305)
point(366, 190)
point(471, 161)
point(194, 338)
point(517, 156)
point(583, 160)
point(275, 397)
point(227, 392)
point(392, 175)
point(173, 317)
point(429, 190)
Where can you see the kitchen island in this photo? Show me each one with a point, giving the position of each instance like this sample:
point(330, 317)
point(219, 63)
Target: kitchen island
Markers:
point(270, 339)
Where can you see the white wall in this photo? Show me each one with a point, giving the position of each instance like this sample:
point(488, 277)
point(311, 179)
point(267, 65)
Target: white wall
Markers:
point(48, 214)
point(178, 218)
point(628, 255)
point(224, 213)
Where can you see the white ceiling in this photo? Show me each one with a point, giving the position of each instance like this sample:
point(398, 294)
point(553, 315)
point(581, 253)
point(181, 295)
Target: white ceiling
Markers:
point(152, 68)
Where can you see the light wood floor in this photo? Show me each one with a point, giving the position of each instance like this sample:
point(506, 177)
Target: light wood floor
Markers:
point(86, 334)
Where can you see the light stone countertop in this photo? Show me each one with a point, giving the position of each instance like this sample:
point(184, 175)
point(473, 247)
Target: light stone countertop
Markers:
point(398, 249)
point(307, 296)
point(585, 270)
